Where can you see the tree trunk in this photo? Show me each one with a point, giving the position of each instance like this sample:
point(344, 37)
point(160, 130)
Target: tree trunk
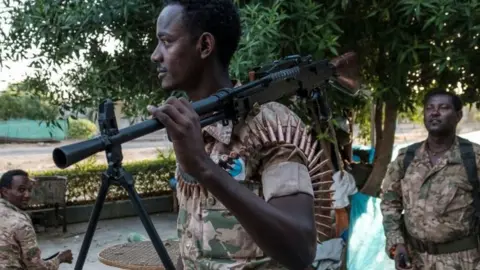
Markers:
point(349, 148)
point(383, 152)
point(378, 117)
point(372, 125)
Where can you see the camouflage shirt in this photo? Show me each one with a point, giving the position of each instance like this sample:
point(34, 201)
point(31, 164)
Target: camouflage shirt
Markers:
point(210, 236)
point(437, 200)
point(18, 241)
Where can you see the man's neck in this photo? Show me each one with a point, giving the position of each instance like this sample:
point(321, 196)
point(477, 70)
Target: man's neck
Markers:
point(210, 83)
point(440, 142)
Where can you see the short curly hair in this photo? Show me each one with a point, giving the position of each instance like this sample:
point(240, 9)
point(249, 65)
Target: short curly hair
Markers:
point(218, 17)
point(455, 99)
point(7, 177)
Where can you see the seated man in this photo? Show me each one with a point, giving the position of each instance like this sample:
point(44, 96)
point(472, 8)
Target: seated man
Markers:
point(18, 241)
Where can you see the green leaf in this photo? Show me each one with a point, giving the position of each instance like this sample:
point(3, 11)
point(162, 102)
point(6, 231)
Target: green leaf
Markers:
point(333, 50)
point(428, 23)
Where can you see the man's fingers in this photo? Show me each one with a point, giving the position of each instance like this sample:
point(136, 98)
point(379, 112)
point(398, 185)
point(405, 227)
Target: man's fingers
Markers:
point(176, 103)
point(184, 107)
point(188, 108)
point(172, 111)
point(173, 120)
point(177, 115)
point(406, 260)
point(160, 114)
point(402, 262)
point(186, 103)
point(398, 262)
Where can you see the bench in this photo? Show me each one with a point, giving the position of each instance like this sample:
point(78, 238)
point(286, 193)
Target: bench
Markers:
point(49, 193)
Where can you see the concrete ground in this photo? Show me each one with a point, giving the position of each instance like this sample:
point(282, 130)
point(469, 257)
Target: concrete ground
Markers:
point(108, 233)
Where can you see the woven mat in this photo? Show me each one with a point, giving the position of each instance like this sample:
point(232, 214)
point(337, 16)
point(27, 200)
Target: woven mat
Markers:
point(138, 255)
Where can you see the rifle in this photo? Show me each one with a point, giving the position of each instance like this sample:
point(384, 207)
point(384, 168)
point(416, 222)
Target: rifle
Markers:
point(293, 75)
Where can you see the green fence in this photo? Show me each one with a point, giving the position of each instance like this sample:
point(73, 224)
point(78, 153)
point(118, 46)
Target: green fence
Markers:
point(25, 129)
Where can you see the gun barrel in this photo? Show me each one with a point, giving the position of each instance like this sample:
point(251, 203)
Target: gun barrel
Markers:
point(68, 155)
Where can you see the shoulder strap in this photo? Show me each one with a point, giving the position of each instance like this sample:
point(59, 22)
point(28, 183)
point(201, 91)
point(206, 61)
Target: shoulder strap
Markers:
point(410, 154)
point(470, 164)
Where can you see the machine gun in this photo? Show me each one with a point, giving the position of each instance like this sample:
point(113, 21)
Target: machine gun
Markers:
point(293, 75)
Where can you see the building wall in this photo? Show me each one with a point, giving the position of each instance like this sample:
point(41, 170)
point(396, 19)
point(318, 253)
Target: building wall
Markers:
point(25, 129)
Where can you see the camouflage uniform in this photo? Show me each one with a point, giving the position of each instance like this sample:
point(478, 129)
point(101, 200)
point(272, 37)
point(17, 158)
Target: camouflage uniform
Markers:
point(210, 236)
point(18, 241)
point(437, 201)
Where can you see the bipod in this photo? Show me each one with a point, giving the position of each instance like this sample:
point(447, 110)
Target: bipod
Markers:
point(116, 175)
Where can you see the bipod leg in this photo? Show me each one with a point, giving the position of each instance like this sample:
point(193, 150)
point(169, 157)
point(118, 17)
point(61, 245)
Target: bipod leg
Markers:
point(92, 223)
point(127, 183)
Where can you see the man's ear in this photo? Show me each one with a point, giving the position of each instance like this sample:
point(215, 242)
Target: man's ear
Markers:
point(459, 116)
point(206, 45)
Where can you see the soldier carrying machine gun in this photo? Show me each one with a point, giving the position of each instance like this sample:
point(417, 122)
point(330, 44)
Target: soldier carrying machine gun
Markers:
point(259, 212)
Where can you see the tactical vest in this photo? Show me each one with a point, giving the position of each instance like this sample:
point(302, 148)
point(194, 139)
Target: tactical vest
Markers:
point(469, 162)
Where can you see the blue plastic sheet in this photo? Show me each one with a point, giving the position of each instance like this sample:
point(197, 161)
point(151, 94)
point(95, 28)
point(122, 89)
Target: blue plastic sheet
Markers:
point(371, 153)
point(173, 183)
point(366, 237)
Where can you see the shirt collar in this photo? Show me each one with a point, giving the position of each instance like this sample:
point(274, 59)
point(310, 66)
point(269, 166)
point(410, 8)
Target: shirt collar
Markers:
point(452, 155)
point(220, 132)
point(9, 205)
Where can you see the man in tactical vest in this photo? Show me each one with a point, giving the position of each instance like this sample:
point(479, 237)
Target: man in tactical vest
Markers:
point(244, 202)
point(435, 183)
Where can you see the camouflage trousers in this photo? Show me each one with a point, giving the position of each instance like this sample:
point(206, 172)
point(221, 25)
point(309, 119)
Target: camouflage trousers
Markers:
point(464, 260)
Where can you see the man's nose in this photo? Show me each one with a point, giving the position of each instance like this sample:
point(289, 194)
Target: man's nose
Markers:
point(27, 195)
point(156, 56)
point(435, 111)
